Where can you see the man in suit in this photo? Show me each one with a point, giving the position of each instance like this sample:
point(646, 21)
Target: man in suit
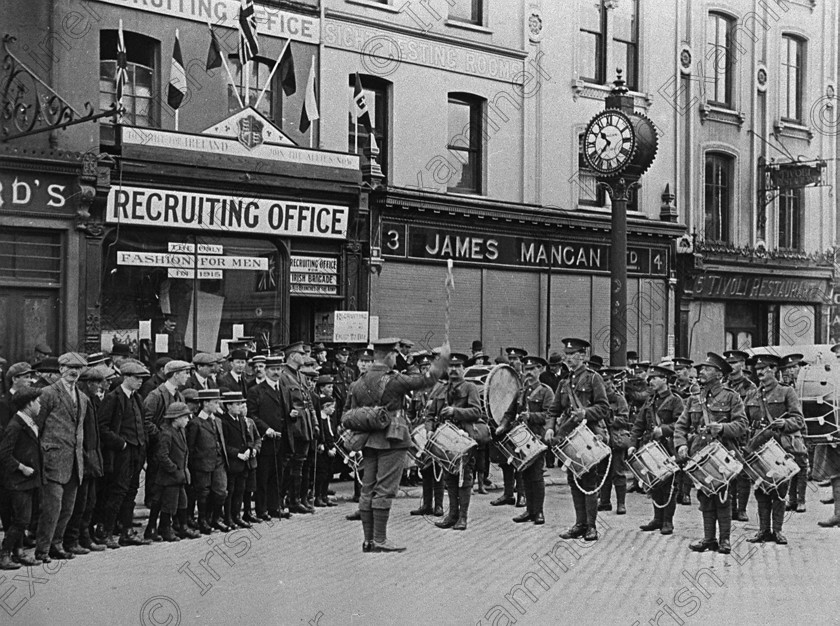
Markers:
point(257, 363)
point(202, 377)
point(157, 378)
point(64, 410)
point(265, 407)
point(124, 440)
point(234, 380)
point(208, 462)
point(48, 372)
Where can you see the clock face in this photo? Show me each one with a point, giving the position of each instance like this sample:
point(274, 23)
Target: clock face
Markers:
point(609, 142)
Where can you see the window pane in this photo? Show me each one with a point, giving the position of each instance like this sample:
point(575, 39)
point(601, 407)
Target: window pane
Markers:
point(624, 21)
point(719, 58)
point(464, 144)
point(590, 16)
point(459, 121)
point(465, 10)
point(377, 105)
point(590, 56)
point(625, 58)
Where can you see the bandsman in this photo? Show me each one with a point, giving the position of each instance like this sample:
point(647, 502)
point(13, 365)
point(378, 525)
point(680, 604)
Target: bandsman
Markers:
point(739, 382)
point(789, 366)
point(418, 407)
point(619, 428)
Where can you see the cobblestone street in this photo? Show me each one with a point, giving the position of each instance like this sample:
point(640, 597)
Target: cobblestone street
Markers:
point(312, 571)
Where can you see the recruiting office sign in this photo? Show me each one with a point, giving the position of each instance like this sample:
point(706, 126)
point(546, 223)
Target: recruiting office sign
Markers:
point(138, 206)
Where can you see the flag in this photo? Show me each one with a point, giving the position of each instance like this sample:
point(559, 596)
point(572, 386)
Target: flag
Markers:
point(248, 46)
point(361, 109)
point(214, 54)
point(287, 72)
point(309, 112)
point(177, 77)
point(122, 66)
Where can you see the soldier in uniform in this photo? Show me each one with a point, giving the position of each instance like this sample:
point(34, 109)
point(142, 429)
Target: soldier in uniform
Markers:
point(684, 386)
point(515, 356)
point(789, 367)
point(619, 428)
point(655, 422)
point(580, 397)
point(773, 411)
point(716, 413)
point(738, 381)
point(457, 401)
point(417, 409)
point(531, 409)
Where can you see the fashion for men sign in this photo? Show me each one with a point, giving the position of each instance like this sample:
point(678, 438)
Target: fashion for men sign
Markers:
point(209, 212)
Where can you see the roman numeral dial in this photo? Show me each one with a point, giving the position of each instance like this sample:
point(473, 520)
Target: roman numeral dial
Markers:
point(609, 142)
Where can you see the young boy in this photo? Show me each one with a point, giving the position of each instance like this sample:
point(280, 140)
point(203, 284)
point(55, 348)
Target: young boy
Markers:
point(173, 475)
point(326, 447)
point(22, 474)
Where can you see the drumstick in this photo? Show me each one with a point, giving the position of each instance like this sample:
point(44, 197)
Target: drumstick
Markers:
point(450, 288)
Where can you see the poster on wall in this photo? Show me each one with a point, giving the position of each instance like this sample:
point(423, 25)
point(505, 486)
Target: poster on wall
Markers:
point(209, 319)
point(130, 336)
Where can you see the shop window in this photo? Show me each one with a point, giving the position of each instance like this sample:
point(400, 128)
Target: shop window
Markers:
point(718, 196)
point(720, 58)
point(790, 219)
point(596, 49)
point(141, 90)
point(741, 325)
point(793, 67)
point(376, 97)
point(465, 11)
point(30, 256)
point(260, 69)
point(132, 293)
point(465, 142)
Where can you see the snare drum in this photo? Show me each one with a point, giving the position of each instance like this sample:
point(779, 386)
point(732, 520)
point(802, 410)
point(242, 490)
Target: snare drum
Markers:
point(352, 459)
point(448, 445)
point(651, 465)
point(770, 467)
point(581, 450)
point(521, 447)
point(419, 454)
point(712, 468)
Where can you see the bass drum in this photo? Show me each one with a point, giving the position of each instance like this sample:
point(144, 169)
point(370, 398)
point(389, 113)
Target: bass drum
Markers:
point(500, 390)
point(818, 387)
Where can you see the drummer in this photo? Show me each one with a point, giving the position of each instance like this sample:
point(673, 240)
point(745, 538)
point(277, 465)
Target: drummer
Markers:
point(515, 356)
point(655, 422)
point(432, 487)
point(457, 402)
point(619, 424)
point(773, 412)
point(590, 396)
point(738, 381)
point(716, 413)
point(789, 367)
point(531, 409)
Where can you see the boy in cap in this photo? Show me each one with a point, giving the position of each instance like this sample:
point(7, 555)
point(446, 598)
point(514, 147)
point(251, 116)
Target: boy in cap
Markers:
point(208, 462)
point(18, 377)
point(326, 447)
point(239, 446)
point(716, 413)
point(21, 474)
point(580, 397)
point(173, 475)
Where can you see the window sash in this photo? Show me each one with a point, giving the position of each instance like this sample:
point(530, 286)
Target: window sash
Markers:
point(259, 75)
point(467, 154)
point(138, 93)
point(790, 219)
point(719, 58)
point(718, 198)
point(792, 79)
point(466, 11)
point(377, 101)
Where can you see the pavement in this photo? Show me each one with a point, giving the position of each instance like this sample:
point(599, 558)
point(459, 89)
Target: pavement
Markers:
point(310, 570)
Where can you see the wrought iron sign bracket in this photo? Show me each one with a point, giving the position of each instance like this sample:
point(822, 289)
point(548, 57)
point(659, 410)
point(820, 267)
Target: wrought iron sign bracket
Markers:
point(29, 106)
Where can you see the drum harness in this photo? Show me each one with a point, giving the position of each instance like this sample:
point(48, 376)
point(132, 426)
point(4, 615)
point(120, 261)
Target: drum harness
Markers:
point(575, 404)
point(658, 423)
point(707, 420)
point(748, 452)
point(435, 465)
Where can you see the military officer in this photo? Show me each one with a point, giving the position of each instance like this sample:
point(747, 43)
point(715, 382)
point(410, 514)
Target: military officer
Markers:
point(531, 409)
point(789, 367)
point(716, 413)
point(738, 381)
point(655, 422)
point(457, 402)
point(619, 429)
point(580, 397)
point(773, 411)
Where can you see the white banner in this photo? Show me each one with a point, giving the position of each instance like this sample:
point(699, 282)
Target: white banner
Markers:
point(271, 21)
point(237, 215)
point(187, 261)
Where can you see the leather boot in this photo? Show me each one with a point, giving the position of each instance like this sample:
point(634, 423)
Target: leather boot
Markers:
point(743, 491)
point(454, 512)
point(801, 488)
point(203, 526)
point(620, 497)
point(381, 543)
point(464, 494)
point(724, 522)
point(709, 542)
point(763, 533)
point(778, 512)
point(6, 562)
point(834, 520)
point(438, 496)
point(538, 495)
point(481, 488)
point(591, 504)
point(151, 531)
point(166, 528)
point(604, 503)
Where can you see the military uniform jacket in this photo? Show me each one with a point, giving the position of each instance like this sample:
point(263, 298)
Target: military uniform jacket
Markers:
point(686, 388)
point(588, 388)
point(393, 399)
point(723, 406)
point(619, 412)
point(764, 404)
point(743, 386)
point(62, 432)
point(658, 410)
point(465, 402)
point(20, 446)
point(417, 404)
point(203, 436)
point(295, 396)
point(532, 407)
point(172, 457)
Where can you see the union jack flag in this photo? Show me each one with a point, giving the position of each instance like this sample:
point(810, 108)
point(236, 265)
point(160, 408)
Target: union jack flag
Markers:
point(248, 45)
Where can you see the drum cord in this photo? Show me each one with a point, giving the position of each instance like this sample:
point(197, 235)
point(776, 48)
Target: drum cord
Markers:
point(670, 496)
point(601, 484)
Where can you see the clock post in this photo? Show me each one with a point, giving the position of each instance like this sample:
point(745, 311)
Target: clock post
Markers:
point(619, 146)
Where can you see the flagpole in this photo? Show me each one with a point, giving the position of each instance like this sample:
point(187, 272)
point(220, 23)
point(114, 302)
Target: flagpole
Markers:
point(271, 75)
point(356, 135)
point(227, 69)
point(247, 69)
point(170, 78)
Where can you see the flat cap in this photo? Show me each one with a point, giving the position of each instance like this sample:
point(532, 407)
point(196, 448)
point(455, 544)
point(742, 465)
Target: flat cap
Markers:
point(189, 394)
point(134, 369)
point(204, 358)
point(176, 366)
point(407, 343)
point(49, 364)
point(387, 342)
point(18, 369)
point(319, 347)
point(325, 379)
point(176, 410)
point(98, 373)
point(73, 359)
point(23, 397)
point(572, 345)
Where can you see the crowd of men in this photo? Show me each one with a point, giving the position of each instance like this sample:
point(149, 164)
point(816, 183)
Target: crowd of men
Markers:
point(227, 442)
